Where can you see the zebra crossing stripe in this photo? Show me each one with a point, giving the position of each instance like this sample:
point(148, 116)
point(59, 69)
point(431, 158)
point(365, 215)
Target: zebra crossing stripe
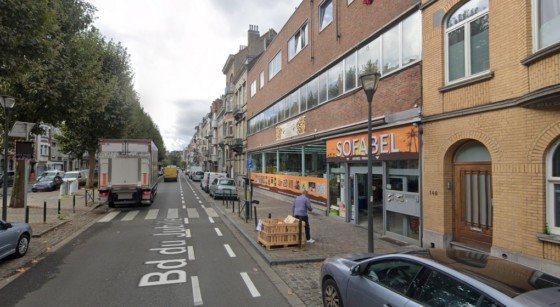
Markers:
point(130, 216)
point(109, 217)
point(152, 214)
point(173, 213)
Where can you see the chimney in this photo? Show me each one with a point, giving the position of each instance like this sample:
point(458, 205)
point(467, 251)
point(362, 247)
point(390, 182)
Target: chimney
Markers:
point(253, 35)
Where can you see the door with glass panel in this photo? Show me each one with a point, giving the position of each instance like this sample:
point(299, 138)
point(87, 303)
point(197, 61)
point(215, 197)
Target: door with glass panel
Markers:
point(473, 204)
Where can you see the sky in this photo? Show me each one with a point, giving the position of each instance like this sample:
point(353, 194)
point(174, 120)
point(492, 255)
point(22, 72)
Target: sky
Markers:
point(178, 48)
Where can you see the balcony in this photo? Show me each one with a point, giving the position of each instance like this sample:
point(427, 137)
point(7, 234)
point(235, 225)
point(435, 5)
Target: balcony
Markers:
point(238, 113)
point(228, 90)
point(236, 145)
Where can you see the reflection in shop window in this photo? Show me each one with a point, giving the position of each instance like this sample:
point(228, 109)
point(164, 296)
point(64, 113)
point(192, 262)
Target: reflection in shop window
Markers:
point(404, 225)
point(403, 176)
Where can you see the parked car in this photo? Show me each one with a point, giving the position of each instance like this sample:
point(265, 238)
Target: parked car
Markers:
point(434, 277)
point(11, 175)
point(197, 176)
point(75, 175)
point(50, 182)
point(52, 172)
point(223, 187)
point(209, 178)
point(14, 239)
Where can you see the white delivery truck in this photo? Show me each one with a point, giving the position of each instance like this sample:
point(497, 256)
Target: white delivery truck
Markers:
point(128, 172)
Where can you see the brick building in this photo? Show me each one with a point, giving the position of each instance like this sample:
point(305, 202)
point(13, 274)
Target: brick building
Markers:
point(491, 127)
point(307, 112)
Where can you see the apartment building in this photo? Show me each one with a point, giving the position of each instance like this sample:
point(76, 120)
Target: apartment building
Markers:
point(491, 128)
point(307, 112)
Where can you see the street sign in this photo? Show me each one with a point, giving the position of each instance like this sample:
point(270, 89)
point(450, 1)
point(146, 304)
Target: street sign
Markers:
point(25, 150)
point(250, 163)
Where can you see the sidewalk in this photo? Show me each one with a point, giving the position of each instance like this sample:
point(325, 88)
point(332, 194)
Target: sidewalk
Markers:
point(332, 236)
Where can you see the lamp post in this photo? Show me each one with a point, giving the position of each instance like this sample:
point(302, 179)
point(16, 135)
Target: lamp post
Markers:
point(7, 103)
point(369, 84)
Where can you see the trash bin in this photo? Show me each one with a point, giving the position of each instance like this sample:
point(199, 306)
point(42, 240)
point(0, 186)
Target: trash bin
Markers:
point(64, 188)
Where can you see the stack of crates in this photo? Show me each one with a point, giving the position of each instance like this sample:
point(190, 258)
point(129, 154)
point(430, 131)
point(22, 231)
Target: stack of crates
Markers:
point(277, 233)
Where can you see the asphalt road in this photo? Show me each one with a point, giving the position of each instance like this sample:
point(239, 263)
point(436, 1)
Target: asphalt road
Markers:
point(178, 252)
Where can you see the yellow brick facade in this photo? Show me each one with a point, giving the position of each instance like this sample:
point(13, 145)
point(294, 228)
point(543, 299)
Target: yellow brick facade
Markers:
point(517, 136)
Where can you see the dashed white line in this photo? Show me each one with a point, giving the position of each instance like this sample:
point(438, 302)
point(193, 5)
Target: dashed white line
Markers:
point(250, 285)
point(186, 220)
point(152, 214)
point(188, 233)
point(184, 207)
point(109, 217)
point(200, 201)
point(197, 297)
point(211, 220)
point(190, 252)
point(130, 215)
point(218, 232)
point(229, 251)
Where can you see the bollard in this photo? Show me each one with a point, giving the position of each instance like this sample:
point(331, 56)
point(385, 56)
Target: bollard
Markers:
point(299, 233)
point(256, 219)
point(26, 214)
point(74, 203)
point(59, 206)
point(44, 212)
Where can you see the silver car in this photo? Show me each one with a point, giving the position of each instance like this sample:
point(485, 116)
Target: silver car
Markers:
point(14, 239)
point(223, 187)
point(434, 277)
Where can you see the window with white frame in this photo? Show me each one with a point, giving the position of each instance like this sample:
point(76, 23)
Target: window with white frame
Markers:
point(467, 43)
point(546, 23)
point(275, 65)
point(297, 42)
point(253, 88)
point(325, 14)
point(261, 79)
point(44, 150)
point(553, 189)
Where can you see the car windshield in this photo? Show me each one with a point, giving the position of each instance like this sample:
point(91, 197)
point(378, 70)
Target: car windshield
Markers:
point(48, 177)
point(226, 182)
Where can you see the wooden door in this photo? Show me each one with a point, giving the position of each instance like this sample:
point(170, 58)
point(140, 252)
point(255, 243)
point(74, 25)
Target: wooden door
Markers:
point(473, 204)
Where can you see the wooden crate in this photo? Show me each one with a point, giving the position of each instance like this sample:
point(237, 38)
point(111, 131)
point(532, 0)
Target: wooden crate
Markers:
point(276, 233)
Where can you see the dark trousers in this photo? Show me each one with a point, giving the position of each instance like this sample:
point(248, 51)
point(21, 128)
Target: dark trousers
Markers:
point(305, 218)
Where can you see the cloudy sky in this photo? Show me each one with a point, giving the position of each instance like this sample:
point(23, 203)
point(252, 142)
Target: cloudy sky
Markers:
point(178, 48)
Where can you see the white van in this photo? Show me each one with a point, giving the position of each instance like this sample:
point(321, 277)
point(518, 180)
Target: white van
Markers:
point(208, 178)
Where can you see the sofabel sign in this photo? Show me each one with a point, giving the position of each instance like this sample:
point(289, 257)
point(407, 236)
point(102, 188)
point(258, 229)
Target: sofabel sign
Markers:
point(395, 143)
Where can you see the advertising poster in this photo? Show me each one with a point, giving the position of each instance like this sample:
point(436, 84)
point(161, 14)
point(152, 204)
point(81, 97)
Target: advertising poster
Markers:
point(292, 185)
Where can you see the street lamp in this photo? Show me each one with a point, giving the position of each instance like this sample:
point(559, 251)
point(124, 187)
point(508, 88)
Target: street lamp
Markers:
point(369, 84)
point(7, 103)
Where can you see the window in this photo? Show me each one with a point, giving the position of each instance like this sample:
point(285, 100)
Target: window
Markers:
point(297, 42)
point(390, 41)
point(369, 57)
point(261, 79)
point(547, 23)
point(553, 189)
point(442, 290)
point(335, 81)
point(323, 87)
point(350, 72)
point(275, 65)
point(312, 96)
point(325, 14)
point(393, 273)
point(44, 150)
point(253, 88)
point(466, 36)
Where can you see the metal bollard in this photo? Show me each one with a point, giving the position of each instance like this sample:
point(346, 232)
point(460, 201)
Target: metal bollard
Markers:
point(256, 219)
point(59, 206)
point(299, 233)
point(27, 214)
point(44, 212)
point(74, 203)
point(270, 215)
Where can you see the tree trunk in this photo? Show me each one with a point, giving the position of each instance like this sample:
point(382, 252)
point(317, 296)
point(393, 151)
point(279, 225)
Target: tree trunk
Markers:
point(92, 167)
point(18, 190)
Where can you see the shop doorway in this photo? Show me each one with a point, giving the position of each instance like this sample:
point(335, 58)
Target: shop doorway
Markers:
point(473, 196)
point(359, 207)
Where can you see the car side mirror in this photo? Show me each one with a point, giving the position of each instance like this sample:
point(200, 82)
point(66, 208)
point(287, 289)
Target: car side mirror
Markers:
point(355, 270)
point(8, 225)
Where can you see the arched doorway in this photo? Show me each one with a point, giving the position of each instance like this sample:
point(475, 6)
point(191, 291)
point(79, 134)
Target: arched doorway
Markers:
point(472, 173)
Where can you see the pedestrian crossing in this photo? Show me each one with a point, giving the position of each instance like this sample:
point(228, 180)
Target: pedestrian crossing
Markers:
point(152, 214)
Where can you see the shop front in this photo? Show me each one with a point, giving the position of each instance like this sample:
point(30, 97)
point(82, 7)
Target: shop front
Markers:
point(395, 180)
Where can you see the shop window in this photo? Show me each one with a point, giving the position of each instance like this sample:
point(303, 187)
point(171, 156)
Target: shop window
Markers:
point(403, 176)
point(553, 189)
point(546, 23)
point(467, 44)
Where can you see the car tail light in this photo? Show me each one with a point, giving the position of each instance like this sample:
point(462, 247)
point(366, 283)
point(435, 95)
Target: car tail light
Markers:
point(146, 192)
point(103, 193)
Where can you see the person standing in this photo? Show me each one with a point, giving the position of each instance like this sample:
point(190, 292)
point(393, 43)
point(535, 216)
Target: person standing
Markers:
point(299, 210)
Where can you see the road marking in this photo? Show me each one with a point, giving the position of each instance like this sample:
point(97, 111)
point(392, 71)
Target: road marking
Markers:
point(250, 285)
point(192, 213)
point(200, 201)
point(130, 215)
point(184, 207)
point(190, 252)
point(186, 220)
point(109, 217)
point(229, 251)
point(182, 201)
point(211, 212)
point(188, 233)
point(211, 220)
point(173, 213)
point(202, 206)
point(197, 297)
point(218, 232)
point(152, 214)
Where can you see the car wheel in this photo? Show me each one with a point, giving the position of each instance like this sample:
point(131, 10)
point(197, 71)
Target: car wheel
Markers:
point(331, 294)
point(22, 245)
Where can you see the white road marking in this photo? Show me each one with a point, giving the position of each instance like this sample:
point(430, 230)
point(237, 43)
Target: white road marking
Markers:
point(211, 220)
point(200, 201)
point(218, 232)
point(173, 213)
point(190, 252)
point(186, 220)
point(211, 212)
point(229, 251)
point(130, 215)
point(197, 297)
point(182, 201)
point(202, 206)
point(250, 285)
point(192, 213)
point(188, 233)
point(184, 207)
point(152, 214)
point(109, 217)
